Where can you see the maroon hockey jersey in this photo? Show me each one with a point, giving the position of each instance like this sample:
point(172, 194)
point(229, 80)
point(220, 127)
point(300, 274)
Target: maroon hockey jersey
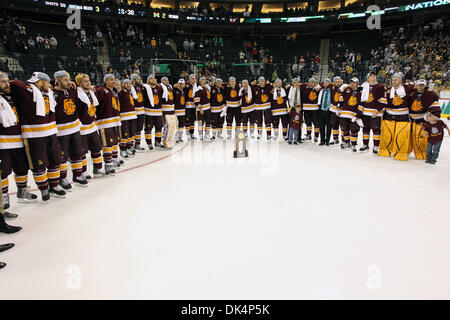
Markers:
point(108, 109)
point(67, 120)
point(32, 125)
point(10, 138)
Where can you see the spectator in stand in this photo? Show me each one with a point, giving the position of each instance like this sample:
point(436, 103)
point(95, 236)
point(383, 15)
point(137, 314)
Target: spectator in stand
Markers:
point(6, 43)
point(153, 43)
point(241, 56)
point(31, 43)
point(53, 42)
point(39, 41)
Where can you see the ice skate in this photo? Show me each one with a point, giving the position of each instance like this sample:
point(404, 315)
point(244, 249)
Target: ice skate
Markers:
point(57, 192)
point(124, 154)
point(345, 145)
point(6, 204)
point(98, 173)
point(364, 148)
point(86, 175)
point(24, 196)
point(138, 148)
point(334, 143)
point(307, 138)
point(109, 169)
point(354, 148)
point(130, 153)
point(65, 184)
point(9, 215)
point(45, 194)
point(80, 181)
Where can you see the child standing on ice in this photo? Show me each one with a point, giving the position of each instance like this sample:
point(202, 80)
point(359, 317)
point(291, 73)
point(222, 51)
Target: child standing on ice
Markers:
point(296, 123)
point(434, 129)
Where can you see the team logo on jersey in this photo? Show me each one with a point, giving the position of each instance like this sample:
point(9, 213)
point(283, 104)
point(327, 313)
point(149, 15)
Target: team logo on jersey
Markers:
point(182, 100)
point(337, 96)
point(247, 100)
point(190, 93)
point(155, 99)
point(312, 95)
point(370, 99)
point(47, 104)
point(170, 95)
point(131, 100)
point(280, 100)
point(352, 101)
point(397, 101)
point(219, 97)
point(91, 110)
point(434, 131)
point(264, 97)
point(69, 107)
point(115, 104)
point(140, 97)
point(416, 105)
point(208, 94)
point(233, 93)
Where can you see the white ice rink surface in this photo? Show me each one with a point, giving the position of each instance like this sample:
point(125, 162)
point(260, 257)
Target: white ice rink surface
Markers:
point(289, 222)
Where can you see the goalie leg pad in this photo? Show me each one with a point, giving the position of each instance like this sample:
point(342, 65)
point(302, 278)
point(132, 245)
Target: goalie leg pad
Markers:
point(387, 138)
point(402, 140)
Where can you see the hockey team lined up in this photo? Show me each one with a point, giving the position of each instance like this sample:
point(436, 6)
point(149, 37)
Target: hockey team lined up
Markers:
point(45, 127)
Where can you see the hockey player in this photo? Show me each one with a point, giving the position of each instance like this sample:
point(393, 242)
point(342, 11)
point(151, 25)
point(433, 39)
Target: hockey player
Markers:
point(294, 99)
point(191, 115)
point(202, 102)
point(217, 107)
point(247, 106)
point(373, 102)
point(68, 125)
point(167, 104)
point(87, 105)
point(279, 109)
point(108, 119)
point(36, 106)
point(421, 101)
point(233, 104)
point(180, 107)
point(395, 126)
point(128, 119)
point(153, 112)
point(310, 93)
point(350, 115)
point(335, 108)
point(12, 151)
point(263, 99)
point(137, 90)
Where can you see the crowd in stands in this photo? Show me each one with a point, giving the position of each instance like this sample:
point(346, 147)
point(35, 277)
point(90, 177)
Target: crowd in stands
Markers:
point(421, 52)
point(415, 52)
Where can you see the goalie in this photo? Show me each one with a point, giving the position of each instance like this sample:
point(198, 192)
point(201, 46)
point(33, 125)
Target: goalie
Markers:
point(395, 127)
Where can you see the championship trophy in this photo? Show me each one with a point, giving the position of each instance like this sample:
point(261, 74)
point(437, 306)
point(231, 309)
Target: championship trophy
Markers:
point(240, 145)
point(170, 131)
